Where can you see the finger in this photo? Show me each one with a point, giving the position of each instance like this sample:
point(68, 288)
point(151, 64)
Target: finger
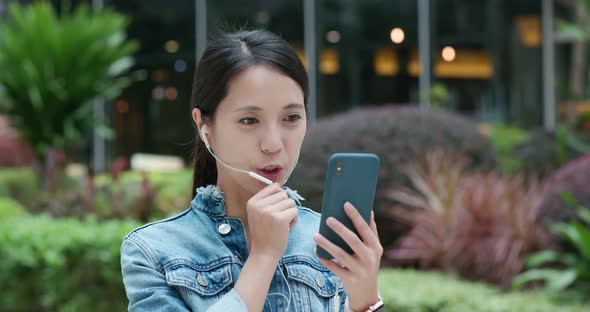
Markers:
point(293, 222)
point(360, 225)
point(283, 205)
point(338, 270)
point(338, 253)
point(273, 199)
point(348, 236)
point(374, 225)
point(267, 191)
point(289, 215)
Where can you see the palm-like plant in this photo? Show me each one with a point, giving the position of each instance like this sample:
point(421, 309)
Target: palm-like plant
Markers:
point(53, 67)
point(567, 269)
point(480, 226)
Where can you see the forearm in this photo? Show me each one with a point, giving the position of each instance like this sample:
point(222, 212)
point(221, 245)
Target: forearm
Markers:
point(254, 281)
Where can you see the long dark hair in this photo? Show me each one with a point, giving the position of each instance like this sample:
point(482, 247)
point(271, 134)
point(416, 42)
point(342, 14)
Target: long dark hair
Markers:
point(226, 55)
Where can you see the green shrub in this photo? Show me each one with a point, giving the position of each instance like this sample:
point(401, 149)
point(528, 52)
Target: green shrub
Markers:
point(467, 223)
point(397, 135)
point(572, 270)
point(54, 65)
point(20, 184)
point(61, 265)
point(505, 139)
point(68, 265)
point(11, 208)
point(416, 291)
point(144, 198)
point(156, 197)
point(573, 178)
point(544, 151)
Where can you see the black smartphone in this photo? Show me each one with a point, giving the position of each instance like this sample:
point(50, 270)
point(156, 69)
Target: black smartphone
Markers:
point(350, 177)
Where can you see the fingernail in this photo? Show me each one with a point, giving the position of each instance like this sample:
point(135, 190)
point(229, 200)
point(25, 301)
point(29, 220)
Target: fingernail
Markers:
point(330, 221)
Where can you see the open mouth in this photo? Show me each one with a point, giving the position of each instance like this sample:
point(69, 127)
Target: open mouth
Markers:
point(272, 173)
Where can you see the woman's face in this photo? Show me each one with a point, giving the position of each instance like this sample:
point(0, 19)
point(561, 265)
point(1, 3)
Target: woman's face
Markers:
point(259, 126)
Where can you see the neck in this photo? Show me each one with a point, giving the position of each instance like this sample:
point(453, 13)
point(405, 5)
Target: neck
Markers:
point(235, 200)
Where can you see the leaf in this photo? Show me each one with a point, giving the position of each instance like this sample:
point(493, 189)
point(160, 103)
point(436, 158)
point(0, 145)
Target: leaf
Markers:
point(571, 30)
point(584, 214)
point(568, 198)
point(582, 242)
point(562, 281)
point(575, 233)
point(105, 132)
point(52, 67)
point(541, 258)
point(534, 275)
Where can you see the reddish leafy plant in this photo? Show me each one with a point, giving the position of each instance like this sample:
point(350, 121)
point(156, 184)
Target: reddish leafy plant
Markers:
point(480, 226)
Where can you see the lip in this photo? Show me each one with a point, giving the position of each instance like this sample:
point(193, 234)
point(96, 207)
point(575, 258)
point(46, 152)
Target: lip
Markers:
point(273, 176)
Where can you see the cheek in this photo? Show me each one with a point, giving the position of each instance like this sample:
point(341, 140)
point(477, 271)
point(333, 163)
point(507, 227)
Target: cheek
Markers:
point(294, 143)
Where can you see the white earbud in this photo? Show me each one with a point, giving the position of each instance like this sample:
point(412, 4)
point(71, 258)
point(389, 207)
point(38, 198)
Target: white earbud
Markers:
point(256, 176)
point(203, 133)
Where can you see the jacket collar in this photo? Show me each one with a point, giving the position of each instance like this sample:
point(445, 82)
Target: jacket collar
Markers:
point(210, 200)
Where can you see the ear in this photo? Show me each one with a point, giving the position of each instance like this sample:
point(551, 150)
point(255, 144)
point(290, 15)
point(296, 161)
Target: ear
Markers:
point(201, 125)
point(197, 118)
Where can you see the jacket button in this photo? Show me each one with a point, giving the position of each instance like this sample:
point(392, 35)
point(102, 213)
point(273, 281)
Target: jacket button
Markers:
point(202, 281)
point(224, 229)
point(319, 280)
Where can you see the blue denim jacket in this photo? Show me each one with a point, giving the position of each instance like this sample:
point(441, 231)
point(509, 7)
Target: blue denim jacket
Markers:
point(192, 261)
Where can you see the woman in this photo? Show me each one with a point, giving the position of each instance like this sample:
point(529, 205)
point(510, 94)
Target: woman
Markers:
point(244, 245)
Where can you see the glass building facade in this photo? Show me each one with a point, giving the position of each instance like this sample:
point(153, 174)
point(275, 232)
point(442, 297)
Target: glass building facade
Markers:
point(482, 58)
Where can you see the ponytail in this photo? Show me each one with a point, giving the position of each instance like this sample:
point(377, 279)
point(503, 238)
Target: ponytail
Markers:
point(204, 167)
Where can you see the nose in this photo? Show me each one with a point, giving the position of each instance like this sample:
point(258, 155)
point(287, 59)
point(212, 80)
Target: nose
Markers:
point(272, 141)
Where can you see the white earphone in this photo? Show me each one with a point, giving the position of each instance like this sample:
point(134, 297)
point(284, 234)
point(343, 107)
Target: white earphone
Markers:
point(203, 134)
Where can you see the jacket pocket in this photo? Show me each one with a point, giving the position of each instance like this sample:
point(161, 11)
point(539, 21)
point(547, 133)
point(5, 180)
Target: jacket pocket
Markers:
point(205, 281)
point(313, 275)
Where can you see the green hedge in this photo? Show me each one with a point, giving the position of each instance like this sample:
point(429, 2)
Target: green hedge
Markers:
point(69, 265)
point(11, 208)
point(61, 265)
point(415, 291)
point(20, 184)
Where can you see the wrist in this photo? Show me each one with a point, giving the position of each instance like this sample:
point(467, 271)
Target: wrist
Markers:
point(366, 305)
point(264, 258)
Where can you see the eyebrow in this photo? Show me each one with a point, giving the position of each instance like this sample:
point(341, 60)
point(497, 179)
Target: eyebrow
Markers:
point(253, 108)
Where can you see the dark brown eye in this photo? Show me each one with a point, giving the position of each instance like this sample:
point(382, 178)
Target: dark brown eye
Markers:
point(248, 120)
point(294, 117)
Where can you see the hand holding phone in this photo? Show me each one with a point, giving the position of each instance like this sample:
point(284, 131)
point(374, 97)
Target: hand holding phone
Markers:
point(351, 177)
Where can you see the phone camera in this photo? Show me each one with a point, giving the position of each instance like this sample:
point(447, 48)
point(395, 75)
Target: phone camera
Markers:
point(339, 169)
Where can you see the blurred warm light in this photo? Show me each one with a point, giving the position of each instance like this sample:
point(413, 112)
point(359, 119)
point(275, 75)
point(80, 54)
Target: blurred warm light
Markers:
point(301, 55)
point(171, 93)
point(468, 64)
point(333, 36)
point(414, 66)
point(449, 54)
point(397, 35)
point(385, 62)
point(76, 170)
point(158, 93)
point(579, 107)
point(159, 75)
point(329, 62)
point(122, 106)
point(171, 46)
point(529, 29)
